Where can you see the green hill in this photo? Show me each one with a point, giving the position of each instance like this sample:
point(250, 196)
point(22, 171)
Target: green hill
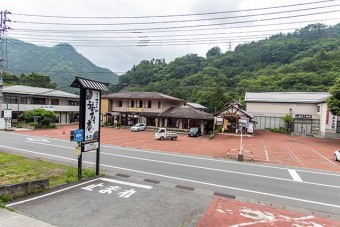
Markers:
point(61, 62)
point(305, 60)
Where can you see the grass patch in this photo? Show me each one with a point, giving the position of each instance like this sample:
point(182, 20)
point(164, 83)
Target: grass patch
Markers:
point(278, 130)
point(16, 169)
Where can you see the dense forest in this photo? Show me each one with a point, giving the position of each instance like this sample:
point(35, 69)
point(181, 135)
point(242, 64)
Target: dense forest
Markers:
point(61, 63)
point(305, 60)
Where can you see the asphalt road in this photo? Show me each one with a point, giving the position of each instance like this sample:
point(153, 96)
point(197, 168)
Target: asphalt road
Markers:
point(302, 188)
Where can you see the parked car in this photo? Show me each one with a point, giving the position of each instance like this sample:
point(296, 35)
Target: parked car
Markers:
point(138, 127)
point(163, 133)
point(337, 155)
point(195, 132)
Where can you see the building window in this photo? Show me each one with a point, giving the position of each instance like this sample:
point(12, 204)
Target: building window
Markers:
point(23, 100)
point(10, 100)
point(73, 102)
point(40, 101)
point(119, 103)
point(318, 109)
point(131, 103)
point(140, 103)
point(148, 104)
point(159, 104)
point(55, 102)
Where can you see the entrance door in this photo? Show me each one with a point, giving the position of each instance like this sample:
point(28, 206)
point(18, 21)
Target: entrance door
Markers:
point(303, 126)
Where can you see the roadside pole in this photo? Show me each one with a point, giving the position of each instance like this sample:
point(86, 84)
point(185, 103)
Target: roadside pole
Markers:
point(240, 155)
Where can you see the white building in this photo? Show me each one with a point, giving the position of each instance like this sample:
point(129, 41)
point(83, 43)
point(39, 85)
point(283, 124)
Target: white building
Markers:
point(309, 110)
point(20, 98)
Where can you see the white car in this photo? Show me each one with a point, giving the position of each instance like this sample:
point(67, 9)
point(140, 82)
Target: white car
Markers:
point(337, 155)
point(138, 127)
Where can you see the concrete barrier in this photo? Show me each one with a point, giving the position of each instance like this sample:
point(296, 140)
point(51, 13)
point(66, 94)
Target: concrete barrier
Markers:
point(16, 190)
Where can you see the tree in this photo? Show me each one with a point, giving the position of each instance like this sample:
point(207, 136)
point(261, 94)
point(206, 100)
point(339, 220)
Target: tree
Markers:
point(333, 102)
point(215, 51)
point(37, 80)
point(288, 121)
point(45, 117)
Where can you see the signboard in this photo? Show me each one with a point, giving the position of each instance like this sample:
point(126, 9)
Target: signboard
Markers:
point(134, 109)
point(303, 116)
point(78, 135)
point(50, 108)
point(91, 146)
point(7, 113)
point(92, 119)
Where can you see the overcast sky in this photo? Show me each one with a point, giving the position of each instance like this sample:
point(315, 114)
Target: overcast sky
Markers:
point(118, 34)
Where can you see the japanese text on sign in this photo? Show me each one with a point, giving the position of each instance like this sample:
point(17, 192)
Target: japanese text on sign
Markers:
point(92, 115)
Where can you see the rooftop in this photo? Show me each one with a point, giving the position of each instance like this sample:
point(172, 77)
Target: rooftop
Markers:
point(37, 91)
point(141, 95)
point(186, 112)
point(284, 97)
point(196, 105)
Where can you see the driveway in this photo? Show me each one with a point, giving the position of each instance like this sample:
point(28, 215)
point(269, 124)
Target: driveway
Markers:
point(266, 147)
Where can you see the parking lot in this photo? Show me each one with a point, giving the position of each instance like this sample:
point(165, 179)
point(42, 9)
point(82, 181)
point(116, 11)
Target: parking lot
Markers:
point(266, 147)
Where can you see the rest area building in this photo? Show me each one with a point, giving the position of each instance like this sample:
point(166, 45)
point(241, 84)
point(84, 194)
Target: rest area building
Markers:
point(308, 109)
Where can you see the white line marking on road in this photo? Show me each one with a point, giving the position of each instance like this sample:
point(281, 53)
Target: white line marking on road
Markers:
point(324, 157)
point(292, 154)
point(295, 175)
point(38, 139)
point(228, 187)
point(188, 180)
point(53, 145)
point(42, 196)
point(183, 156)
point(265, 151)
point(126, 183)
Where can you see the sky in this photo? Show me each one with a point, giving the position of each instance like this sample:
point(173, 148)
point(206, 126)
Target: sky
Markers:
point(118, 34)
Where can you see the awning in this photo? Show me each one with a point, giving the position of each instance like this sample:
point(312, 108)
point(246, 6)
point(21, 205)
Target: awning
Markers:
point(112, 114)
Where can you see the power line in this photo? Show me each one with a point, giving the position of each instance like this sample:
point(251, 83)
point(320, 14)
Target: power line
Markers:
point(173, 21)
point(173, 15)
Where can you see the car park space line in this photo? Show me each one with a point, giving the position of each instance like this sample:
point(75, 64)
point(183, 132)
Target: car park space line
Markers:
point(266, 152)
point(224, 186)
point(294, 156)
point(51, 193)
point(324, 157)
point(294, 175)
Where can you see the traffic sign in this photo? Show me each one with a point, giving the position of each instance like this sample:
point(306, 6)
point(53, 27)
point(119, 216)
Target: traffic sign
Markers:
point(78, 135)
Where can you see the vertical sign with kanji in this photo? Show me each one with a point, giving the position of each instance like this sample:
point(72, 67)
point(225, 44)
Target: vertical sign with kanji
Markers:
point(92, 113)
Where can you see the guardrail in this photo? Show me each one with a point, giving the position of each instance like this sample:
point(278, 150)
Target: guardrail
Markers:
point(235, 152)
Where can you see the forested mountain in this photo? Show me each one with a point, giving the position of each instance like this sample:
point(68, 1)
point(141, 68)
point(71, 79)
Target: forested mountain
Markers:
point(305, 60)
point(61, 62)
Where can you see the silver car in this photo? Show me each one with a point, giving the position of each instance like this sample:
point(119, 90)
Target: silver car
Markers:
point(138, 127)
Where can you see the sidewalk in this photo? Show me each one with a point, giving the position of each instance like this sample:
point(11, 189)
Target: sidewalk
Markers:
point(14, 219)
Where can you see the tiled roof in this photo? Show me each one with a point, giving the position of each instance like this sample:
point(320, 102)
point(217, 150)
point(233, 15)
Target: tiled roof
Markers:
point(141, 95)
point(37, 91)
point(196, 105)
point(290, 97)
point(89, 84)
point(187, 113)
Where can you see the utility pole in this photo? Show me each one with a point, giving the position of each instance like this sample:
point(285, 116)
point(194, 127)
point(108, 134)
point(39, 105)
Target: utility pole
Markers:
point(3, 50)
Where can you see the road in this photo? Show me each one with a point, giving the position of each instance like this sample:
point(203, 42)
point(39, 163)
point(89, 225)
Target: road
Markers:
point(301, 188)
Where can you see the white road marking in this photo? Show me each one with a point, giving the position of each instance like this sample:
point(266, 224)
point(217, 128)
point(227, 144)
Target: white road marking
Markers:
point(126, 183)
point(295, 175)
point(265, 151)
point(188, 180)
point(53, 145)
point(42, 196)
point(38, 139)
point(324, 157)
point(223, 186)
point(291, 153)
point(183, 156)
